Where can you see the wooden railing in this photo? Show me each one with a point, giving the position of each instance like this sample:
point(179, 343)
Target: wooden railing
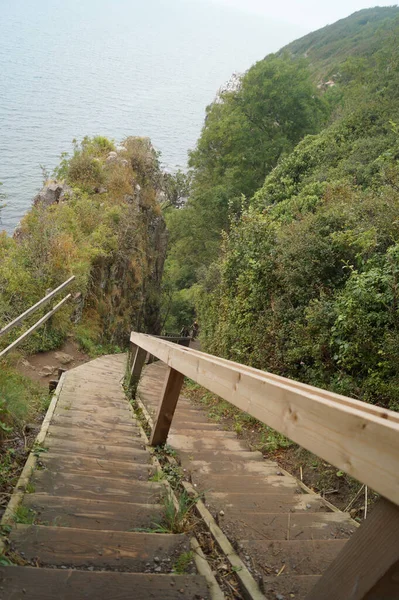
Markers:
point(30, 311)
point(356, 437)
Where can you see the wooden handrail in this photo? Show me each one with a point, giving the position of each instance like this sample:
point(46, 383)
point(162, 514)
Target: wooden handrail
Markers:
point(34, 327)
point(356, 437)
point(35, 307)
point(390, 415)
point(352, 435)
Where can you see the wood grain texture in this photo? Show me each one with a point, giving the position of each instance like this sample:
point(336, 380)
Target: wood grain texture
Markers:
point(137, 365)
point(47, 584)
point(369, 560)
point(113, 549)
point(62, 511)
point(167, 405)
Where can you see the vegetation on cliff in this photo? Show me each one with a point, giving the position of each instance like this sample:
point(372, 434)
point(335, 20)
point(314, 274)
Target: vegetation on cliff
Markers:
point(99, 219)
point(297, 273)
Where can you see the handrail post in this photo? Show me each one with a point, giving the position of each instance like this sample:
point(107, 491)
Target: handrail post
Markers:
point(367, 567)
point(132, 354)
point(170, 395)
point(137, 366)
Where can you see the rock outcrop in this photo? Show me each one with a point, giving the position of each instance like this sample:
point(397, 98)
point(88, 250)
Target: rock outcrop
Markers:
point(53, 192)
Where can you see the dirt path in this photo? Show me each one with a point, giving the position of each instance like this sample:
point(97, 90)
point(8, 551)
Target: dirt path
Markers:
point(44, 366)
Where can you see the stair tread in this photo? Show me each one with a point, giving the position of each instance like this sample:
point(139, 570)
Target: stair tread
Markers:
point(87, 465)
point(296, 586)
point(80, 486)
point(256, 484)
point(265, 502)
point(107, 437)
point(60, 546)
point(299, 557)
point(97, 449)
point(66, 584)
point(64, 511)
point(240, 525)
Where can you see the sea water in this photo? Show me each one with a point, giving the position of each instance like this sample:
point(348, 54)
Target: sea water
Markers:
point(70, 68)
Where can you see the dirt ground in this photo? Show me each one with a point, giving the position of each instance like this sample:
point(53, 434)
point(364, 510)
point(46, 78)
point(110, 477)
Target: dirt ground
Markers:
point(43, 367)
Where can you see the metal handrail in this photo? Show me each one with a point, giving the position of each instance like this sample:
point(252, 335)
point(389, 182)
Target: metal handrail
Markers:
point(34, 308)
point(30, 311)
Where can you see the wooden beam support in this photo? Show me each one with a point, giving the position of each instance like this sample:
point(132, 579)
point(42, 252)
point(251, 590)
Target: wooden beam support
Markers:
point(137, 366)
point(132, 354)
point(367, 568)
point(387, 588)
point(166, 409)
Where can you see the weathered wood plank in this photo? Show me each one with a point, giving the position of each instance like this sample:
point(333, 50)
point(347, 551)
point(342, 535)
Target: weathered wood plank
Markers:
point(366, 560)
point(62, 511)
point(97, 487)
point(59, 546)
point(78, 463)
point(137, 366)
point(167, 405)
point(47, 584)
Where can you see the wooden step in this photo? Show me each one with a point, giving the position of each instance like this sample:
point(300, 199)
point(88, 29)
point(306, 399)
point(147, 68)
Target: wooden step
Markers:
point(298, 557)
point(97, 487)
point(95, 405)
point(77, 463)
point(194, 416)
point(61, 546)
point(204, 467)
point(111, 437)
point(215, 434)
point(82, 387)
point(95, 410)
point(219, 456)
point(240, 525)
point(204, 425)
point(62, 511)
point(97, 450)
point(93, 426)
point(264, 503)
point(85, 394)
point(254, 484)
point(289, 586)
point(89, 418)
point(187, 443)
point(65, 584)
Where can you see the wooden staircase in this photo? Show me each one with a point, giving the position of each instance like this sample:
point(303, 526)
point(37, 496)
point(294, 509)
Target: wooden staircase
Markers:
point(287, 538)
point(90, 496)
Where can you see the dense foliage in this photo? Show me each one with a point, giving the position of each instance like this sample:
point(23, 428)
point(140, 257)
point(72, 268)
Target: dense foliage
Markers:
point(105, 232)
point(245, 134)
point(305, 282)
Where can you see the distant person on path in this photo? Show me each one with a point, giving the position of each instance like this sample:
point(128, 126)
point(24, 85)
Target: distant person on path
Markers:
point(195, 330)
point(185, 332)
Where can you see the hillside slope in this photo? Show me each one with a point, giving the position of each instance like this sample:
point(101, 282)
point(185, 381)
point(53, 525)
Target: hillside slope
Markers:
point(359, 35)
point(305, 283)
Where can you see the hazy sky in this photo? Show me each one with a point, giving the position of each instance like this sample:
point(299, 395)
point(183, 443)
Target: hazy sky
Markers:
point(308, 14)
